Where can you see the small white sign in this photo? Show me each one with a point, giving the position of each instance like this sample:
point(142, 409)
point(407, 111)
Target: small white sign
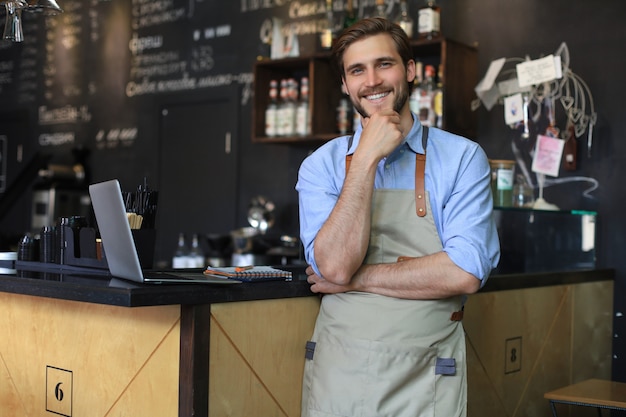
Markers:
point(539, 71)
point(513, 109)
point(548, 154)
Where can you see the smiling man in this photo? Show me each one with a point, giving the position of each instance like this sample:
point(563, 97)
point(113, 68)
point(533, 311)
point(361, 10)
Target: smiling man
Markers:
point(397, 226)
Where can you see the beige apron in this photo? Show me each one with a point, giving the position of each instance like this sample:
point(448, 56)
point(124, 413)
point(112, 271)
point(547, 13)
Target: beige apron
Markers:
point(373, 355)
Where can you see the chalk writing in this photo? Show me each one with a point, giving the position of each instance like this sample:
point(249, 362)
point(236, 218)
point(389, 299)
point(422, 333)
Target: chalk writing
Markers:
point(66, 114)
point(57, 139)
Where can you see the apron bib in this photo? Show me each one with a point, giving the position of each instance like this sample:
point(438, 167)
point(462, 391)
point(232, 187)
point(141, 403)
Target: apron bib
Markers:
point(373, 355)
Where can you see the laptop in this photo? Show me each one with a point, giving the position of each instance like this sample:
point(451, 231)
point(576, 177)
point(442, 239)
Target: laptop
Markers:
point(119, 246)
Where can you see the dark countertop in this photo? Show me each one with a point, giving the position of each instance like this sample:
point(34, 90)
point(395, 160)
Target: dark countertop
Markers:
point(105, 289)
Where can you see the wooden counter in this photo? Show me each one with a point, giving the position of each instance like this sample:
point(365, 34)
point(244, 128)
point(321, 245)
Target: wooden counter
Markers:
point(238, 348)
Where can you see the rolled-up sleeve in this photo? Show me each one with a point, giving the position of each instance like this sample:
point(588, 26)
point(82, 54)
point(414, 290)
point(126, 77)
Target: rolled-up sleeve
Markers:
point(320, 180)
point(464, 208)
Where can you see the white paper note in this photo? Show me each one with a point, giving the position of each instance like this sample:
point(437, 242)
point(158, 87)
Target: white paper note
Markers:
point(538, 71)
point(513, 109)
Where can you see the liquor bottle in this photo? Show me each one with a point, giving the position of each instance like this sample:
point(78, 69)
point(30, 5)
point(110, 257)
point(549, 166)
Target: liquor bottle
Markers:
point(356, 119)
point(404, 20)
point(303, 122)
point(417, 84)
point(380, 9)
point(426, 93)
point(343, 116)
point(327, 35)
point(428, 20)
point(181, 256)
point(438, 99)
point(281, 110)
point(289, 108)
point(271, 113)
point(349, 17)
point(196, 257)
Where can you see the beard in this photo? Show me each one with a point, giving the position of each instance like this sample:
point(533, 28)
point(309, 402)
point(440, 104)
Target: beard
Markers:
point(402, 95)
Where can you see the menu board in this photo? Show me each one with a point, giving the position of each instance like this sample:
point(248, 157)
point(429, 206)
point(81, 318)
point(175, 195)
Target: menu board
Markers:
point(88, 73)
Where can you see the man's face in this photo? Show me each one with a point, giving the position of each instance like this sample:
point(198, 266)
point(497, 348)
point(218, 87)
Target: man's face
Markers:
point(375, 76)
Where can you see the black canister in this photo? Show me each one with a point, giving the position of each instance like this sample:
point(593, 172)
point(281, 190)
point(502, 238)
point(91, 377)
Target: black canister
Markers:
point(76, 223)
point(46, 245)
point(61, 243)
point(26, 248)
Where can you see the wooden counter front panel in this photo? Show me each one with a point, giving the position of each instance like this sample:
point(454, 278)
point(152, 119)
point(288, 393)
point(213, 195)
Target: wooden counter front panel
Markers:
point(257, 356)
point(118, 361)
point(557, 335)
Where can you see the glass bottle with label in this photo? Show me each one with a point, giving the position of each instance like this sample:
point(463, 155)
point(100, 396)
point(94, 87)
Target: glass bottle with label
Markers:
point(428, 24)
point(271, 113)
point(281, 110)
point(417, 84)
point(438, 98)
point(404, 20)
point(289, 109)
point(380, 9)
point(196, 257)
point(181, 256)
point(426, 94)
point(326, 37)
point(349, 17)
point(303, 123)
point(343, 116)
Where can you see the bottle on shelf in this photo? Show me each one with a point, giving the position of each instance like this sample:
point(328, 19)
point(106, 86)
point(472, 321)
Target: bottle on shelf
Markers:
point(327, 35)
point(404, 19)
point(426, 94)
point(271, 113)
point(438, 99)
point(181, 256)
point(303, 120)
point(429, 17)
point(289, 108)
point(356, 119)
point(417, 84)
point(281, 113)
point(380, 9)
point(349, 17)
point(343, 116)
point(196, 257)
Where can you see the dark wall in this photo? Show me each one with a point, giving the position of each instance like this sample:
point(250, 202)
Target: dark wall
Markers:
point(98, 76)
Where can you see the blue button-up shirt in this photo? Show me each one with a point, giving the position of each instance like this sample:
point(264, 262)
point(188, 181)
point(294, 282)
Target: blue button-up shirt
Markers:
point(457, 180)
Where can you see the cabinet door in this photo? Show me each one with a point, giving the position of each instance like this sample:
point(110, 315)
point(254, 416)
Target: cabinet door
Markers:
point(198, 172)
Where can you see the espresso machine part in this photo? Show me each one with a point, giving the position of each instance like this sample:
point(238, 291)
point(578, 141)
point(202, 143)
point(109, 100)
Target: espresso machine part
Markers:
point(261, 214)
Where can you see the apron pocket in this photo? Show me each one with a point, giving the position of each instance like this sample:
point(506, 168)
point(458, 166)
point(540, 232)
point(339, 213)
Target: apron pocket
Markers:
point(354, 377)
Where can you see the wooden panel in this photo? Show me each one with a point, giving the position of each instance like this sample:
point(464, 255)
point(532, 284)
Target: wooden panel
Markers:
point(122, 361)
point(553, 325)
point(257, 356)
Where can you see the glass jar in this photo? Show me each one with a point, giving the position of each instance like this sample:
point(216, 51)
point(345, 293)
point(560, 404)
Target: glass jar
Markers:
point(502, 178)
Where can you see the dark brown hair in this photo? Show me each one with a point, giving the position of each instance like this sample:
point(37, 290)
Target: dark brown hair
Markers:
point(365, 28)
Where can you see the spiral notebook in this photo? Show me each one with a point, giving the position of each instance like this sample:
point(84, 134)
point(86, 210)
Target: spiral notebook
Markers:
point(250, 274)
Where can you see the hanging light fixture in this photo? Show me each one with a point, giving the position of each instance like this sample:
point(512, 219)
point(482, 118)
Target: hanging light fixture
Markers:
point(49, 7)
point(13, 24)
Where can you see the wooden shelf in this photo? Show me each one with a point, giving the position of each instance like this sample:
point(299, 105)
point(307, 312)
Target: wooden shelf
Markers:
point(460, 76)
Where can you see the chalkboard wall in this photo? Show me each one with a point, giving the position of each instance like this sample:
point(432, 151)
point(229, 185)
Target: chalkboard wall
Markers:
point(99, 76)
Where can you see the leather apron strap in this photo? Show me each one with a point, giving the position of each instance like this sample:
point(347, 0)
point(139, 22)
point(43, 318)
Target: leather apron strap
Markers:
point(420, 169)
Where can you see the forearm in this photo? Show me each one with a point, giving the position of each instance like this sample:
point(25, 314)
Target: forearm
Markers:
point(341, 244)
point(429, 277)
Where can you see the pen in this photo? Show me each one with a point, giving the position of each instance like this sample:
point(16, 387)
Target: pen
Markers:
point(243, 268)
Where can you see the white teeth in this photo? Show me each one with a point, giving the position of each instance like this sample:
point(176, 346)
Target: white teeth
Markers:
point(376, 96)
